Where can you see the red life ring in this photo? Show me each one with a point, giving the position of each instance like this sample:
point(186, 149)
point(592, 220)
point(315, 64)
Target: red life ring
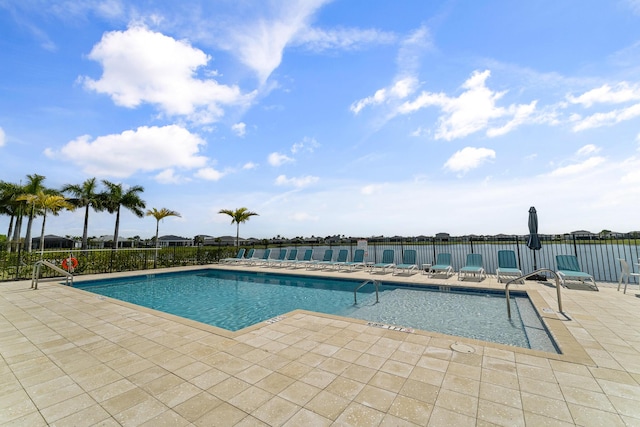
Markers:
point(65, 263)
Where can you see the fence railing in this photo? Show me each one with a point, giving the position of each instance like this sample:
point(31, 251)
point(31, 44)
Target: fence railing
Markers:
point(597, 256)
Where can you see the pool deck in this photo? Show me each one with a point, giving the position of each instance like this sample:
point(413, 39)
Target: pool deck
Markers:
point(68, 357)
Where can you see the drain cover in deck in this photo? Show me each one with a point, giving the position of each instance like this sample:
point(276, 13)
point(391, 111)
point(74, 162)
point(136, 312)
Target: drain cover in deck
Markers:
point(462, 348)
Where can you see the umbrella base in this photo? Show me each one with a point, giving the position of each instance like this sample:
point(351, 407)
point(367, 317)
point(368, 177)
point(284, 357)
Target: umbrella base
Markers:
point(537, 278)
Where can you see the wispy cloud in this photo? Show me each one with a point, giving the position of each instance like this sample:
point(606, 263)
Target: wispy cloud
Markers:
point(239, 129)
point(609, 118)
point(318, 39)
point(307, 144)
point(297, 182)
point(622, 92)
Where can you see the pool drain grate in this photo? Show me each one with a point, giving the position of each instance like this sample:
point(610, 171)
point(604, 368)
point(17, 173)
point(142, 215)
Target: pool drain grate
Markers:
point(274, 320)
point(391, 327)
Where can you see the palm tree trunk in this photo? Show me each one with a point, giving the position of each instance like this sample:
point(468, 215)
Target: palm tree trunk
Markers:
point(27, 237)
point(17, 230)
point(115, 232)
point(9, 231)
point(237, 234)
point(44, 221)
point(157, 228)
point(155, 259)
point(86, 228)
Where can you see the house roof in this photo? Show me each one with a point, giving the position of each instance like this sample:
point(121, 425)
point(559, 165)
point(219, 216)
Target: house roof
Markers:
point(172, 237)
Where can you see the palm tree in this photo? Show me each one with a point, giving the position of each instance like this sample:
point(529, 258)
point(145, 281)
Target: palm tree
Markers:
point(46, 202)
point(116, 196)
point(159, 215)
point(85, 196)
point(9, 205)
point(238, 216)
point(32, 187)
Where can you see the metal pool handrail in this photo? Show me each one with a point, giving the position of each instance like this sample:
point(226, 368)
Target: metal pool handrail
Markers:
point(375, 283)
point(35, 276)
point(546, 270)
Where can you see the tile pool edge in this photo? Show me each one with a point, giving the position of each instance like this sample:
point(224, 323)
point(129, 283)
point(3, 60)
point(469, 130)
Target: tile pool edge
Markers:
point(571, 350)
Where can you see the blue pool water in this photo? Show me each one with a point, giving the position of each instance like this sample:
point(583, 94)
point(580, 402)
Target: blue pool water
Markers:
point(234, 300)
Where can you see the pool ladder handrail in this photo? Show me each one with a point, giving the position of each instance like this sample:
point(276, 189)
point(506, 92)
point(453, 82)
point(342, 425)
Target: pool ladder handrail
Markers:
point(533, 273)
point(375, 283)
point(35, 276)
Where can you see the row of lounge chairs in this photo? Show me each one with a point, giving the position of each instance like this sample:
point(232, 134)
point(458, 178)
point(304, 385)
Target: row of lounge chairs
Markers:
point(568, 268)
point(567, 265)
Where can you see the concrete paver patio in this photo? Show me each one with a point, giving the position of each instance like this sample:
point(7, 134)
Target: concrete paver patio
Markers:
point(68, 357)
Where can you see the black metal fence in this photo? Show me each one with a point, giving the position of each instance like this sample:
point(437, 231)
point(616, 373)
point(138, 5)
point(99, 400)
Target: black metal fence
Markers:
point(597, 256)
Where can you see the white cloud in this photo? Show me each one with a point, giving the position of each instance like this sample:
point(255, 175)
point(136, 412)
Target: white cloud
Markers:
point(420, 132)
point(634, 5)
point(143, 149)
point(3, 137)
point(472, 111)
point(249, 166)
point(307, 144)
point(578, 168)
point(300, 182)
point(210, 174)
point(398, 91)
point(168, 176)
point(259, 43)
point(469, 158)
point(277, 159)
point(317, 39)
point(303, 217)
point(411, 50)
point(521, 114)
point(608, 119)
point(239, 129)
point(623, 92)
point(588, 150)
point(141, 66)
point(370, 189)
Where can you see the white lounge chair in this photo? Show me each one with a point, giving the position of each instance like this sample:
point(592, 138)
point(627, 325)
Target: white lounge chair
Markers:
point(625, 274)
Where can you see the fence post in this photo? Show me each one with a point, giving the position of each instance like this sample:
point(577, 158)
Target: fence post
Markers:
point(518, 250)
point(575, 248)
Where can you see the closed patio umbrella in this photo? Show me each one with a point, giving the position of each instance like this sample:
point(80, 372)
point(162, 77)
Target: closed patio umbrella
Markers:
point(533, 242)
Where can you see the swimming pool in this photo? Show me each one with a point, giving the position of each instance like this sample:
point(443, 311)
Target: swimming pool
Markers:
point(233, 300)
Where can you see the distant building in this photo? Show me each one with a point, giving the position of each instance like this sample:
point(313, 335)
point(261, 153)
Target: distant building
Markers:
point(443, 237)
point(222, 241)
point(171, 240)
point(52, 241)
point(107, 242)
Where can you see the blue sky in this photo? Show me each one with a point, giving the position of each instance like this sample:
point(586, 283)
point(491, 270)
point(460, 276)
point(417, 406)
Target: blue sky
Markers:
point(329, 117)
